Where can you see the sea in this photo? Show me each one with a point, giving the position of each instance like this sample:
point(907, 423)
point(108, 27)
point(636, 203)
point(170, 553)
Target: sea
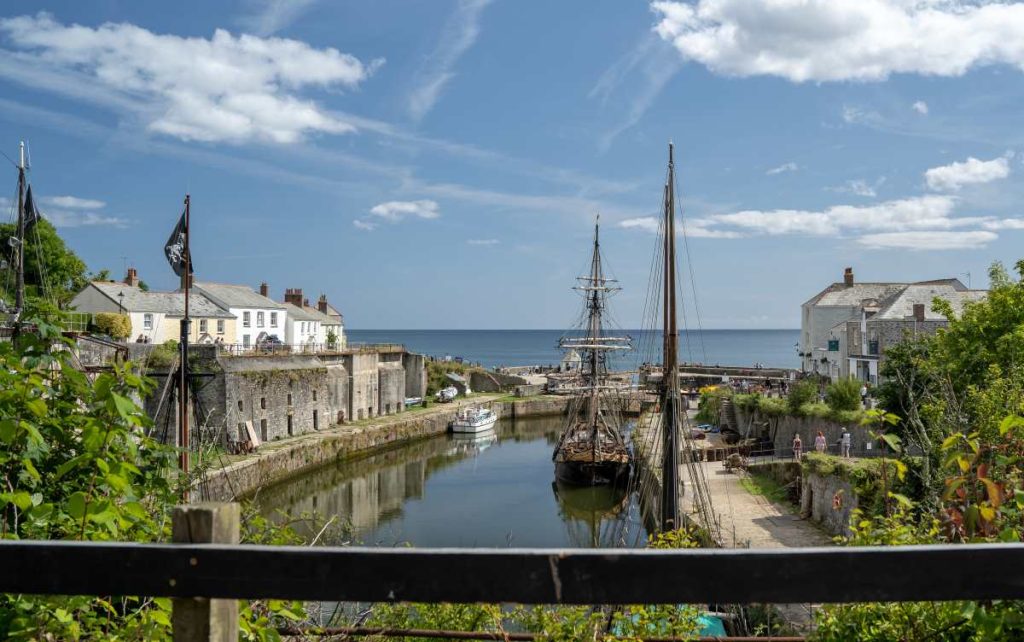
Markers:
point(495, 348)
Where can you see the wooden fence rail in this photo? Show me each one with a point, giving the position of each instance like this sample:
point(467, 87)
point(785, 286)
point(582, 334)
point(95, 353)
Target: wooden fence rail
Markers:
point(191, 570)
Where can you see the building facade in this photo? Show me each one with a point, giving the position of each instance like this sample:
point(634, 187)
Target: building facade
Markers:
point(257, 317)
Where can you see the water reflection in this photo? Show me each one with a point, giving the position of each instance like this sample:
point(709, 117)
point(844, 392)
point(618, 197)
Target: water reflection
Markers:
point(489, 489)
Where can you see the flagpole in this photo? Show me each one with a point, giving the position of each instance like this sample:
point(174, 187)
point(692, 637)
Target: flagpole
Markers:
point(183, 436)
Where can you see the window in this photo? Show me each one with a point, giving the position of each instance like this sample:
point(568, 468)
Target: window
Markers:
point(147, 321)
point(316, 421)
point(289, 425)
point(273, 319)
point(259, 319)
point(239, 405)
point(263, 403)
point(202, 325)
point(314, 395)
point(220, 326)
point(289, 399)
point(245, 341)
point(245, 320)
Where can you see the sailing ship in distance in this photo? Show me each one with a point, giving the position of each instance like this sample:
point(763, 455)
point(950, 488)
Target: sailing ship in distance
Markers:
point(592, 449)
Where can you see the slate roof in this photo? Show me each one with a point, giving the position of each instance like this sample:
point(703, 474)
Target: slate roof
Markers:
point(235, 296)
point(901, 306)
point(840, 294)
point(170, 303)
point(302, 314)
point(326, 319)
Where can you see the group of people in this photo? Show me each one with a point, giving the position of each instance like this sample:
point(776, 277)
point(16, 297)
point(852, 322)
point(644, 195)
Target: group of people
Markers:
point(821, 444)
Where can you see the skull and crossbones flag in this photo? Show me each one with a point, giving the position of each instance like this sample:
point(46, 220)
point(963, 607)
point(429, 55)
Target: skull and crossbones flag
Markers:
point(175, 250)
point(31, 211)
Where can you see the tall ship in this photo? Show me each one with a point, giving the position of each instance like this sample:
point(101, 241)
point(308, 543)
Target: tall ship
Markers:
point(592, 449)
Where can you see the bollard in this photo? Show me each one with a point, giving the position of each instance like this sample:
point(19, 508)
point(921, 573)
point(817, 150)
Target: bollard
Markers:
point(202, 619)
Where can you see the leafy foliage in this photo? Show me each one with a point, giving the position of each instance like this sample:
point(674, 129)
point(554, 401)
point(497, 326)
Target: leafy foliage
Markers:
point(52, 270)
point(843, 394)
point(800, 393)
point(117, 326)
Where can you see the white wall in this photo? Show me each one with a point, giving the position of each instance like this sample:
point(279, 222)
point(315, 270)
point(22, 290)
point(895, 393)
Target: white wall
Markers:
point(254, 329)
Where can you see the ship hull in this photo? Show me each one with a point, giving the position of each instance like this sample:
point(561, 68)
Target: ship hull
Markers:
point(601, 473)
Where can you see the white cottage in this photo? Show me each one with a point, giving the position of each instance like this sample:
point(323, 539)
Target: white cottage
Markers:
point(257, 317)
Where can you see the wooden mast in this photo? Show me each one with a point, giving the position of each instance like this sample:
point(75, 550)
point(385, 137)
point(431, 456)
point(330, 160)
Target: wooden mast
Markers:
point(670, 366)
point(183, 428)
point(595, 332)
point(19, 296)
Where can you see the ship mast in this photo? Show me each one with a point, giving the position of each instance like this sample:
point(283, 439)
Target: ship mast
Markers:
point(670, 397)
point(19, 267)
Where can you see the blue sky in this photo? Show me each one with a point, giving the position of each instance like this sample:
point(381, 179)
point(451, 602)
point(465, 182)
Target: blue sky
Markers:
point(438, 164)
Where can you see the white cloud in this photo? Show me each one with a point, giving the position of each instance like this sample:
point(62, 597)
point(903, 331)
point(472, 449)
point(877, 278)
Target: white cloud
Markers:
point(367, 226)
point(1004, 224)
point(785, 167)
point(225, 88)
point(694, 228)
point(72, 211)
point(273, 15)
point(935, 240)
point(394, 211)
point(950, 178)
point(836, 40)
point(645, 223)
point(859, 187)
point(482, 242)
point(931, 212)
point(458, 35)
point(72, 202)
point(920, 107)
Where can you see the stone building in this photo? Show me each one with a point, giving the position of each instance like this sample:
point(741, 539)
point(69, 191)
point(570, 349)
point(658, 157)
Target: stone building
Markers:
point(845, 328)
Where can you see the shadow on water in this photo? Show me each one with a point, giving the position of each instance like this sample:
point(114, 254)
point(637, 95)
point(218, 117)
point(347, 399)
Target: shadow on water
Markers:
point(491, 489)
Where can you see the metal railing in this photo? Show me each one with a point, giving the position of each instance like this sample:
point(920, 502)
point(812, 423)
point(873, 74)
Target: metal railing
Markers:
point(284, 349)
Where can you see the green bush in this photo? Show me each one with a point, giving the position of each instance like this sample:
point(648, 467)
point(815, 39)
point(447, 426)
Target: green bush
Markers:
point(163, 355)
point(843, 394)
point(710, 405)
point(801, 392)
point(815, 410)
point(772, 406)
point(112, 324)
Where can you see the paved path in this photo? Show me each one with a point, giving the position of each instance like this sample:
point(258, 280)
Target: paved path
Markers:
point(753, 521)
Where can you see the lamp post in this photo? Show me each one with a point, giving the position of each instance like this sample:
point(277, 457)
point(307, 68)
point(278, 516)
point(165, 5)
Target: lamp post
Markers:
point(120, 302)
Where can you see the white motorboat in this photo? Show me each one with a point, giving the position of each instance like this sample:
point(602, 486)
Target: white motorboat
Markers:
point(474, 420)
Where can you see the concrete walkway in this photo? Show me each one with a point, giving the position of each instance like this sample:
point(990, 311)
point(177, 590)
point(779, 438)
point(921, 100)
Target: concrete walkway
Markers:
point(753, 521)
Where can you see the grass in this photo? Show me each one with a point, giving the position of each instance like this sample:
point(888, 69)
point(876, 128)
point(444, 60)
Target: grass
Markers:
point(765, 487)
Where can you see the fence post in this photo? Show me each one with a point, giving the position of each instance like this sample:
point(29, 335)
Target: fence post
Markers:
point(202, 619)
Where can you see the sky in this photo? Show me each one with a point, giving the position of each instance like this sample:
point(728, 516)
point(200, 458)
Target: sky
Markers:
point(440, 163)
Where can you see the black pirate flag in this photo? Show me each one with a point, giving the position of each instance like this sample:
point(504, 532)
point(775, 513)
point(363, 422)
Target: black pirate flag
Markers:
point(176, 248)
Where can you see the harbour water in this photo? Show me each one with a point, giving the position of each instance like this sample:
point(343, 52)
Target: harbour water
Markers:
point(492, 348)
point(463, 490)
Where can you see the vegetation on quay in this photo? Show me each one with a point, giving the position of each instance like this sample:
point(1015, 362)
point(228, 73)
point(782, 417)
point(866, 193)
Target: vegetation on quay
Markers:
point(842, 402)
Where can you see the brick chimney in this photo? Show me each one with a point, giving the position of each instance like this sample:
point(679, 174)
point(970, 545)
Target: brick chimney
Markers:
point(264, 289)
point(293, 296)
point(305, 303)
point(848, 277)
point(132, 277)
point(321, 304)
point(918, 312)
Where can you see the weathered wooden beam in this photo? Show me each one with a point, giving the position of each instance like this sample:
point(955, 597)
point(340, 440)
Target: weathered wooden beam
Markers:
point(196, 617)
point(536, 576)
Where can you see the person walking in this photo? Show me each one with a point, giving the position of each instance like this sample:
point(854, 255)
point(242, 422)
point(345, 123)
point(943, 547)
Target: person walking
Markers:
point(798, 447)
point(819, 442)
point(845, 442)
point(864, 395)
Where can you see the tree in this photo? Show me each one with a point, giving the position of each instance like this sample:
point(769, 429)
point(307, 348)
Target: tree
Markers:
point(52, 270)
point(843, 394)
point(801, 392)
point(143, 286)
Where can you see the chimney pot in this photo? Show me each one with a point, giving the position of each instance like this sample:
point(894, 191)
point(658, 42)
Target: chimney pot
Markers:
point(132, 277)
point(305, 303)
point(321, 304)
point(919, 312)
point(848, 277)
point(293, 296)
point(264, 289)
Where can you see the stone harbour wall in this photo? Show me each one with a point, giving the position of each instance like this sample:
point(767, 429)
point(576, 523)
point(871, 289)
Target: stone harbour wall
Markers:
point(280, 460)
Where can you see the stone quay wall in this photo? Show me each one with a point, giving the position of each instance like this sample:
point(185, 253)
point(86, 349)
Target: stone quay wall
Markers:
point(781, 430)
point(280, 460)
point(830, 501)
